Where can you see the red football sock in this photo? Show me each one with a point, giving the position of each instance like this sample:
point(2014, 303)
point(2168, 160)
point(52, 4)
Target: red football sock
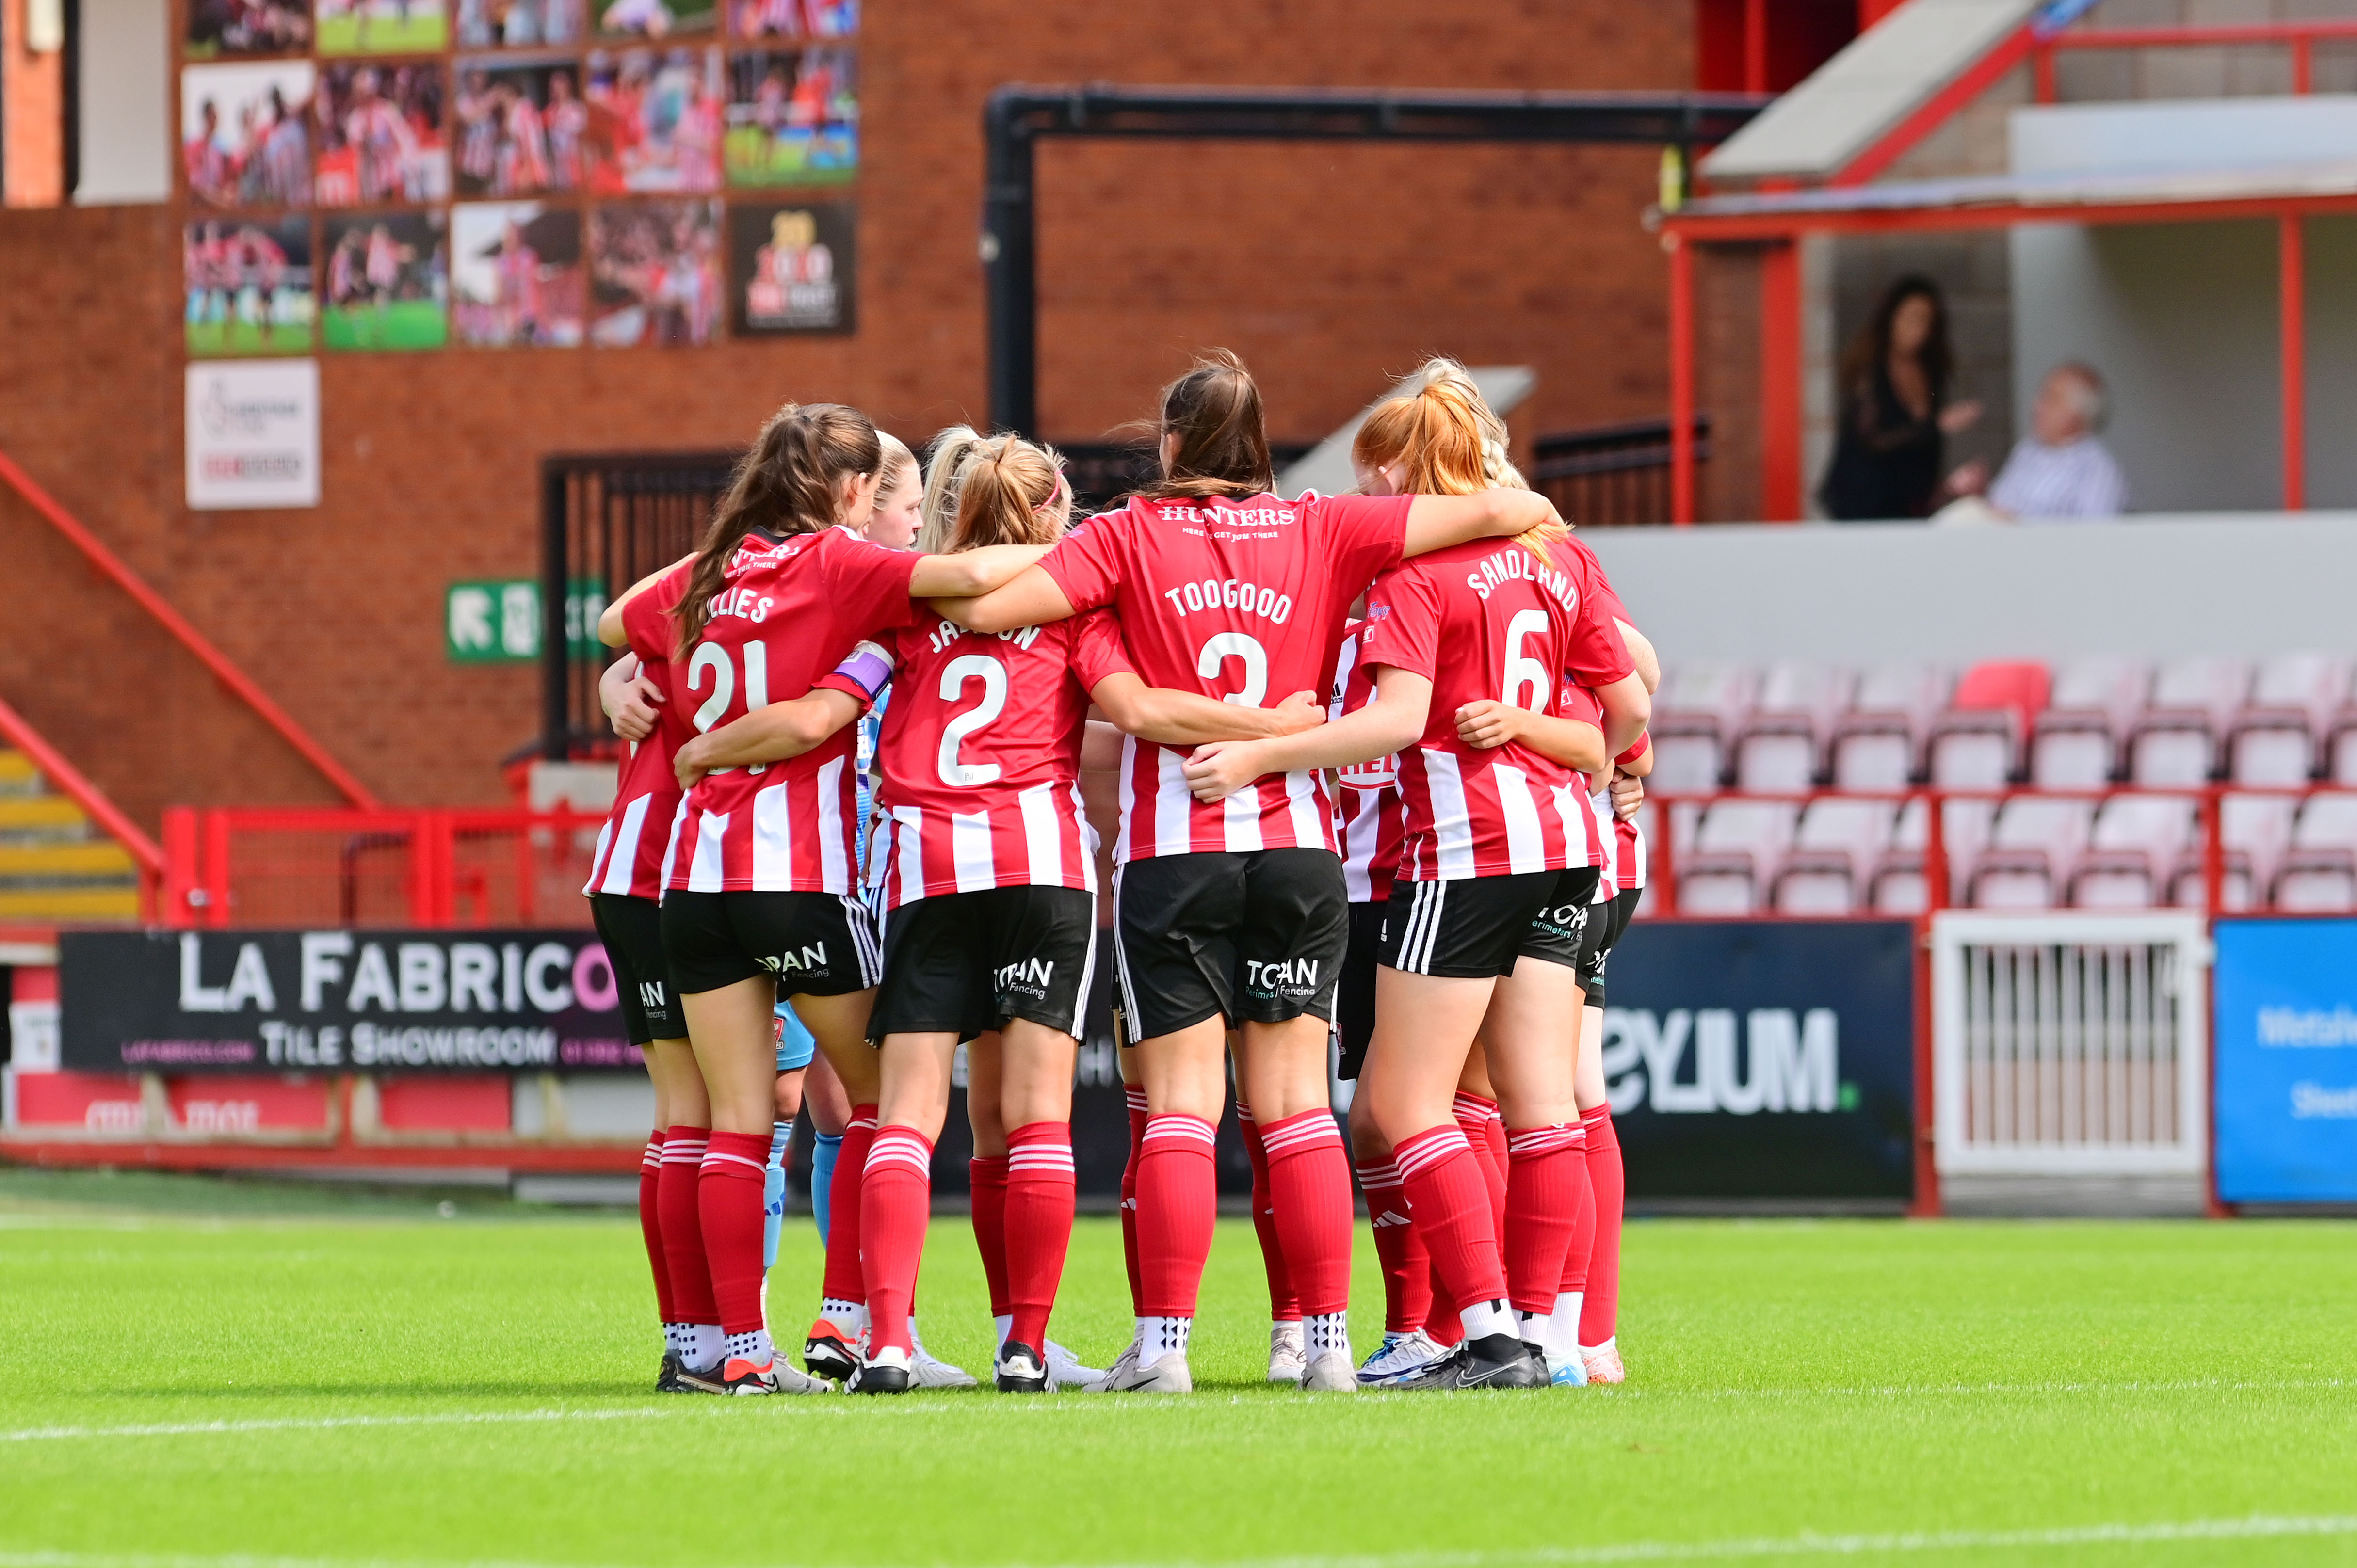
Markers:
point(1440, 1319)
point(1475, 1117)
point(1549, 1166)
point(843, 1280)
point(1406, 1266)
point(896, 1199)
point(1309, 1192)
point(728, 1207)
point(986, 1175)
point(1040, 1187)
point(683, 1231)
point(650, 1223)
point(1446, 1198)
point(1600, 1310)
point(1282, 1306)
point(1583, 1229)
point(1136, 1097)
point(1177, 1204)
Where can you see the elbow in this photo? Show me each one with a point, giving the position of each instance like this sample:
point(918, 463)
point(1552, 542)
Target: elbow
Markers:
point(609, 630)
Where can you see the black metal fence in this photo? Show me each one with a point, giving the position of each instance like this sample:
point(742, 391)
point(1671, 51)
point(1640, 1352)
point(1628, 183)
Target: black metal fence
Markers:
point(1612, 474)
point(607, 522)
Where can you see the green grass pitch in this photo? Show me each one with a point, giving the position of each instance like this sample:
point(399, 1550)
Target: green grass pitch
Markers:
point(209, 1375)
point(403, 324)
point(215, 338)
point(426, 31)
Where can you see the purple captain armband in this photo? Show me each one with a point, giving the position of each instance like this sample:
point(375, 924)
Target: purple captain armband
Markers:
point(868, 667)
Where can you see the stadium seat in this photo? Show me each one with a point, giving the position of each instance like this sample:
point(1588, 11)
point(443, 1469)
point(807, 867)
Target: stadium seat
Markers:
point(1898, 887)
point(1781, 746)
point(2253, 832)
point(1696, 715)
point(1976, 742)
point(2031, 848)
point(2294, 699)
point(1877, 745)
point(2134, 847)
point(2076, 741)
point(2319, 871)
point(1735, 849)
point(1835, 851)
point(2193, 701)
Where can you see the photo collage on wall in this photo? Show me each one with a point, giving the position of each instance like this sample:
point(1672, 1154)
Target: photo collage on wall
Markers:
point(390, 175)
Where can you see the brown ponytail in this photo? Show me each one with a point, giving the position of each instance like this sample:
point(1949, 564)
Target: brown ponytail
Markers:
point(1214, 410)
point(786, 482)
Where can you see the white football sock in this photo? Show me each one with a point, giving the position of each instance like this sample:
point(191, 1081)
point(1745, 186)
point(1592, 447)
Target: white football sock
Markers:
point(1563, 1328)
point(753, 1347)
point(1612, 1344)
point(1484, 1318)
point(1533, 1326)
point(701, 1344)
point(849, 1318)
point(1164, 1337)
point(1328, 1331)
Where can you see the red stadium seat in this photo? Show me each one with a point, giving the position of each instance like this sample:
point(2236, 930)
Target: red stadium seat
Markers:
point(2076, 743)
point(1878, 743)
point(1781, 745)
point(2193, 702)
point(2136, 843)
point(1976, 744)
point(1836, 849)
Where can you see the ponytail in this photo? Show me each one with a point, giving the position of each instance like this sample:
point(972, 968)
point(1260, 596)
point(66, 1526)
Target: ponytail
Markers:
point(787, 483)
point(1214, 410)
point(991, 489)
point(1443, 437)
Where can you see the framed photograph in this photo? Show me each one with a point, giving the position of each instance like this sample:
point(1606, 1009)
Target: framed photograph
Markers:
point(218, 27)
point(524, 127)
point(387, 282)
point(249, 286)
point(521, 24)
point(795, 267)
point(245, 134)
point(654, 273)
point(793, 116)
point(382, 26)
point(655, 20)
point(655, 119)
point(794, 19)
point(381, 135)
point(516, 277)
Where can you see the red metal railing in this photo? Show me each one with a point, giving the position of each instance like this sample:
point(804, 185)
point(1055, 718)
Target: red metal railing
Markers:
point(242, 686)
point(2300, 35)
point(241, 865)
point(142, 850)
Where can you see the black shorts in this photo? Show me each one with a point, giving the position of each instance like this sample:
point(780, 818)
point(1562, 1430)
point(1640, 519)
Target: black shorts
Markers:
point(812, 944)
point(1251, 938)
point(1609, 921)
point(971, 962)
point(1354, 999)
point(1475, 928)
point(631, 929)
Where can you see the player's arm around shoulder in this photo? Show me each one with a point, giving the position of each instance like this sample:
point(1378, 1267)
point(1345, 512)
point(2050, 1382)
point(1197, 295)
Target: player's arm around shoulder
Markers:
point(777, 732)
point(1392, 719)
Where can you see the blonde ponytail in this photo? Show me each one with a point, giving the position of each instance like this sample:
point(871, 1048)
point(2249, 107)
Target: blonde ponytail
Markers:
point(991, 489)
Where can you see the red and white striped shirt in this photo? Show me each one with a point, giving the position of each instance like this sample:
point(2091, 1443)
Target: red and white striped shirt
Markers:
point(980, 756)
point(1243, 599)
point(1623, 864)
point(1368, 820)
point(636, 835)
point(786, 614)
point(1489, 621)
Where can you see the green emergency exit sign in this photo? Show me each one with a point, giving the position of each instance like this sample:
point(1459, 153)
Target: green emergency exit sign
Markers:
point(500, 621)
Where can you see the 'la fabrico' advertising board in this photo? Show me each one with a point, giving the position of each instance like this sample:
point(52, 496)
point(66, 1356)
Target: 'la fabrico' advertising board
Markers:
point(340, 1001)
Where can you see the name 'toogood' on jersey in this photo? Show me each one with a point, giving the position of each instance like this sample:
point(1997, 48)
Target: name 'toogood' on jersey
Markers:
point(1243, 599)
point(1489, 621)
point(978, 765)
point(632, 845)
point(1367, 817)
point(785, 617)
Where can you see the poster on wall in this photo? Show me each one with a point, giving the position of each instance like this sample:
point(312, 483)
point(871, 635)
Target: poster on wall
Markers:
point(249, 286)
point(520, 24)
point(795, 266)
point(248, 27)
point(522, 126)
point(380, 135)
point(252, 434)
point(516, 277)
point(387, 282)
point(795, 18)
point(654, 18)
point(654, 273)
point(655, 119)
point(382, 26)
point(793, 117)
point(245, 134)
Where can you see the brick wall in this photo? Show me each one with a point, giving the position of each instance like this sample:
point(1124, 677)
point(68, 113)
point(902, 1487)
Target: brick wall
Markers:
point(32, 137)
point(1328, 266)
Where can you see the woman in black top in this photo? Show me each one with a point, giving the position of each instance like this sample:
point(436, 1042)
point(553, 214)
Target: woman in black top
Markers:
point(1895, 414)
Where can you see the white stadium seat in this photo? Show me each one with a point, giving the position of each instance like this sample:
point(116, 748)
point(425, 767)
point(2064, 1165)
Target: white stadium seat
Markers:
point(2077, 741)
point(2278, 738)
point(2319, 871)
point(2193, 702)
point(1734, 852)
point(1781, 746)
point(1834, 852)
point(1878, 743)
point(2136, 843)
point(2031, 848)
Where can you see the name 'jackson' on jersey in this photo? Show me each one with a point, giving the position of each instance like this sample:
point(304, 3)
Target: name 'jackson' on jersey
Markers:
point(1243, 600)
point(1488, 620)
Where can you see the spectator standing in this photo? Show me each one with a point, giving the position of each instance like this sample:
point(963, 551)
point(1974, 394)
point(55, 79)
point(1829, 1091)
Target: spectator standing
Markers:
point(1895, 413)
point(2058, 472)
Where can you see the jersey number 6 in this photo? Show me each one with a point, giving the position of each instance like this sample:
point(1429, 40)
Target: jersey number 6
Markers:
point(1522, 673)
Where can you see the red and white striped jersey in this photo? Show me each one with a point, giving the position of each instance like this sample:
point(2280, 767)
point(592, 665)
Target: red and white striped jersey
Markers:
point(1623, 864)
point(786, 614)
point(979, 761)
point(1368, 819)
point(1238, 598)
point(1490, 620)
point(632, 846)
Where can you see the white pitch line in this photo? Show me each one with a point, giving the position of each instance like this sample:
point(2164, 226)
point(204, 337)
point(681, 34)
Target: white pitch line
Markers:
point(321, 1423)
point(1807, 1544)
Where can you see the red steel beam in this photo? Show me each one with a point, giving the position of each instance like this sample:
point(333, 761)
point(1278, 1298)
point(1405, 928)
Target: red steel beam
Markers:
point(1716, 228)
point(2204, 36)
point(1936, 110)
point(112, 567)
point(86, 795)
point(578, 1159)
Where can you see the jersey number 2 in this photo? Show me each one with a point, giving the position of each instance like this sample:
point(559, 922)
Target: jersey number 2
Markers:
point(967, 667)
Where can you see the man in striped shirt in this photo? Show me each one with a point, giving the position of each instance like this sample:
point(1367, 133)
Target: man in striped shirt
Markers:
point(2060, 471)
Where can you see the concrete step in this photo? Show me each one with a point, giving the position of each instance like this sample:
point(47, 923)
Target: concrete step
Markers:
point(18, 776)
point(83, 861)
point(42, 905)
